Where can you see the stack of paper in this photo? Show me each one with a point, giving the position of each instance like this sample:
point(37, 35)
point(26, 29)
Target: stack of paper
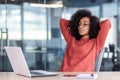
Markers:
point(87, 76)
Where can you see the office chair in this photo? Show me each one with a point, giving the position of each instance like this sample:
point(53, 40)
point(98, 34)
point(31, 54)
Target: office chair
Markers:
point(99, 60)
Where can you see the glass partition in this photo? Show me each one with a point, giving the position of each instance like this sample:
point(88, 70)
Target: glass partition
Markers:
point(33, 29)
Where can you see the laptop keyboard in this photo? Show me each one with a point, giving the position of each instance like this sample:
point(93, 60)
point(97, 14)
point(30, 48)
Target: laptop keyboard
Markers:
point(35, 72)
point(40, 74)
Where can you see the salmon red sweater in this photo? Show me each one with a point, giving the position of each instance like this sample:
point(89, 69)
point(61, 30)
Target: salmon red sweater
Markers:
point(80, 54)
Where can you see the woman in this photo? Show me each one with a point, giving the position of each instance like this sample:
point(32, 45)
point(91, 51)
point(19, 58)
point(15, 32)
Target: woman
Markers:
point(85, 36)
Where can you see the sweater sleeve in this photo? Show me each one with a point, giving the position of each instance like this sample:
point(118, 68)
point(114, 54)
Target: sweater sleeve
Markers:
point(64, 26)
point(104, 29)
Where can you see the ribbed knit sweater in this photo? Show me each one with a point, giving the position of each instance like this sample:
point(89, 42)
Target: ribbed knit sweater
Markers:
point(80, 54)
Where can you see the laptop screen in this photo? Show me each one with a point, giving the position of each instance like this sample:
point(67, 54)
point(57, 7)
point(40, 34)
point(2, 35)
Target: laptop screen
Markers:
point(17, 60)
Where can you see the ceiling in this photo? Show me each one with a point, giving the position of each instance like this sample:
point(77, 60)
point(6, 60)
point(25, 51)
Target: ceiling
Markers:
point(84, 3)
point(67, 3)
point(30, 1)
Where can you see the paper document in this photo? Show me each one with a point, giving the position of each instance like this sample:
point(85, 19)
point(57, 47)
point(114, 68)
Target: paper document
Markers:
point(87, 76)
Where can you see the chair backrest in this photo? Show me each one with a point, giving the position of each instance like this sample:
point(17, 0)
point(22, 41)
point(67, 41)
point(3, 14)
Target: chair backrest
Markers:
point(99, 60)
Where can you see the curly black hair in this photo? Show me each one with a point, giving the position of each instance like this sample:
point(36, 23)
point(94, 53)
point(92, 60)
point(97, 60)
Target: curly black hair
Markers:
point(94, 23)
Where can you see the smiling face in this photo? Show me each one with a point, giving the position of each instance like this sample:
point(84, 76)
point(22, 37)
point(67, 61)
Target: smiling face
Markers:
point(84, 27)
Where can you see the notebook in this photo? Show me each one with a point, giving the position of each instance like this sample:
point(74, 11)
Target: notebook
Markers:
point(19, 64)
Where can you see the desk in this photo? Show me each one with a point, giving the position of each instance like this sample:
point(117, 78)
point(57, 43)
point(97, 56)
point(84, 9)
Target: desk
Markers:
point(101, 76)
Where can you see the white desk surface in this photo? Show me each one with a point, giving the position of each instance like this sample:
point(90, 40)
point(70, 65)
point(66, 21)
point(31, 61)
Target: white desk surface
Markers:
point(101, 76)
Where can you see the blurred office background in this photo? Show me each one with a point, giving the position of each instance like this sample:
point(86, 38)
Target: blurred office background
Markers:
point(34, 26)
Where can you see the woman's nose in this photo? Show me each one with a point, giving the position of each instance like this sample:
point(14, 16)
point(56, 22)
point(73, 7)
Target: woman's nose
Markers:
point(80, 26)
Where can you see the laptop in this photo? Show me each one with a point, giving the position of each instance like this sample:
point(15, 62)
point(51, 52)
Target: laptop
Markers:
point(19, 64)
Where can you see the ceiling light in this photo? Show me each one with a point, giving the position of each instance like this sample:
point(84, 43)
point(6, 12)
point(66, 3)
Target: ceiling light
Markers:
point(46, 5)
point(56, 4)
point(12, 0)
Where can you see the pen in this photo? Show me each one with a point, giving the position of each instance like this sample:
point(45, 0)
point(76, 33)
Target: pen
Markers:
point(92, 75)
